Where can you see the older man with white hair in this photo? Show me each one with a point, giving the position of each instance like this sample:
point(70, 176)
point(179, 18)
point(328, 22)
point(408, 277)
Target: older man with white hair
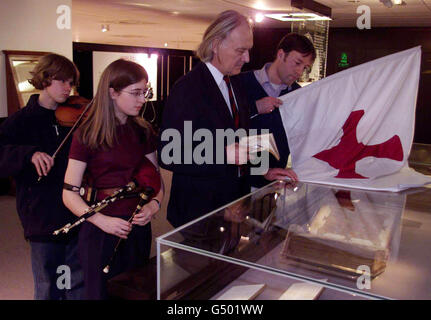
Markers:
point(211, 100)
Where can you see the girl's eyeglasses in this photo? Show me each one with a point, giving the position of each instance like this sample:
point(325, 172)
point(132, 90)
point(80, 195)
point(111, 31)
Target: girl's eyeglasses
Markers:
point(138, 93)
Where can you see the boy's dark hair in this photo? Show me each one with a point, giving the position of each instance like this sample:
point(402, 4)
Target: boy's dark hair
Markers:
point(297, 42)
point(53, 67)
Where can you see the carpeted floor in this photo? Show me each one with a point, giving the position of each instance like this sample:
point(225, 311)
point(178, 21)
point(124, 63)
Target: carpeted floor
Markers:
point(16, 280)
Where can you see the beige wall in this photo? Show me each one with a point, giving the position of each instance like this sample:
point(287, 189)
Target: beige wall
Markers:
point(31, 25)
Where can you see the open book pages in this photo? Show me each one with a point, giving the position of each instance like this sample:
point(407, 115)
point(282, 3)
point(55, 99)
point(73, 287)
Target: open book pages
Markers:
point(263, 142)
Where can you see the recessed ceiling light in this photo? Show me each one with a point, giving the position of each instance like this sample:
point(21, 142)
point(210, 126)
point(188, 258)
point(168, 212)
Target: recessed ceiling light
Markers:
point(296, 16)
point(137, 4)
point(166, 44)
point(387, 3)
point(282, 17)
point(259, 17)
point(303, 14)
point(105, 27)
point(260, 5)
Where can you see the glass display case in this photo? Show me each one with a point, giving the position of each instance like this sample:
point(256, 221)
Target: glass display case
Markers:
point(305, 241)
point(420, 157)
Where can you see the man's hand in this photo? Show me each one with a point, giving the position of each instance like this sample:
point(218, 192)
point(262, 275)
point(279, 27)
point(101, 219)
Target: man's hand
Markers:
point(43, 163)
point(267, 104)
point(280, 174)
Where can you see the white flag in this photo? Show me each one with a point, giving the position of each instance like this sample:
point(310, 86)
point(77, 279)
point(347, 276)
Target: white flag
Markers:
point(355, 128)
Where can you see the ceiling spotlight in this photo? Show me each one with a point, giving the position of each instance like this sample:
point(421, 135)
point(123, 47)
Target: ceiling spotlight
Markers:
point(390, 3)
point(387, 3)
point(259, 5)
point(297, 16)
point(105, 27)
point(259, 17)
point(166, 44)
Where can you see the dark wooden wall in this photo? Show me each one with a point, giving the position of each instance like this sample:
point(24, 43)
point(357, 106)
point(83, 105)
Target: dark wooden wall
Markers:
point(171, 65)
point(366, 45)
point(265, 42)
point(359, 45)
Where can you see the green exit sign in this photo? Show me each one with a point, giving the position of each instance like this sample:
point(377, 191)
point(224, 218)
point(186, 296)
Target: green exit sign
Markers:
point(343, 60)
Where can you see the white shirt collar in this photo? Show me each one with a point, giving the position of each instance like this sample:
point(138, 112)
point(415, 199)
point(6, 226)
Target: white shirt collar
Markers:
point(262, 77)
point(217, 75)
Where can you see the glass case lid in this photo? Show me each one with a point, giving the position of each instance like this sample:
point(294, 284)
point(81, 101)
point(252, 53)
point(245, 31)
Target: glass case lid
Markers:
point(372, 244)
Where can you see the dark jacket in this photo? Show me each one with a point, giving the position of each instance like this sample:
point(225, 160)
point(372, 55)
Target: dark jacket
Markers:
point(198, 189)
point(271, 121)
point(39, 204)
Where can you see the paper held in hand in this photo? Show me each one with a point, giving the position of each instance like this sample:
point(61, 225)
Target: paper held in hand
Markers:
point(263, 142)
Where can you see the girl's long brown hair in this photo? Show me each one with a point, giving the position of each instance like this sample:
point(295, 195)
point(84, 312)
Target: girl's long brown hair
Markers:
point(98, 129)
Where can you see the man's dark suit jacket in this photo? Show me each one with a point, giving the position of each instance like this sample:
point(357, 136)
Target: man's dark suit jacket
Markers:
point(198, 189)
point(271, 121)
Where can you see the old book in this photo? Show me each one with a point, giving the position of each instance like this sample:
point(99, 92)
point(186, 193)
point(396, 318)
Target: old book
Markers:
point(343, 239)
point(259, 143)
point(247, 292)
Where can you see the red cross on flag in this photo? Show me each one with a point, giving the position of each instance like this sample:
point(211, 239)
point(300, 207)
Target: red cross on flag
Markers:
point(355, 128)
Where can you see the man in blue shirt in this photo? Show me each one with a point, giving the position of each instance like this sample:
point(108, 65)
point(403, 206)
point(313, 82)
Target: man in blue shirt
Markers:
point(295, 53)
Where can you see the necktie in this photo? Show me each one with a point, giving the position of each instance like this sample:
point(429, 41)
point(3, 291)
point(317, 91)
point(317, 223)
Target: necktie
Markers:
point(232, 102)
point(242, 168)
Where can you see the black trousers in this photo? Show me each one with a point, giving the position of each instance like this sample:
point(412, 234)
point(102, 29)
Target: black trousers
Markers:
point(96, 248)
point(192, 197)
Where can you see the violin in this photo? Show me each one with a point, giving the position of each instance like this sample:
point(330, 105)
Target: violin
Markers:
point(70, 111)
point(69, 114)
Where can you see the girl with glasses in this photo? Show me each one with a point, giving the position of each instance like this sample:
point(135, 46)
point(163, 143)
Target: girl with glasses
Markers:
point(110, 146)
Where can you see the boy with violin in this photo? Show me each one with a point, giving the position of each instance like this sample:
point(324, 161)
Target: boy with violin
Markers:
point(28, 139)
